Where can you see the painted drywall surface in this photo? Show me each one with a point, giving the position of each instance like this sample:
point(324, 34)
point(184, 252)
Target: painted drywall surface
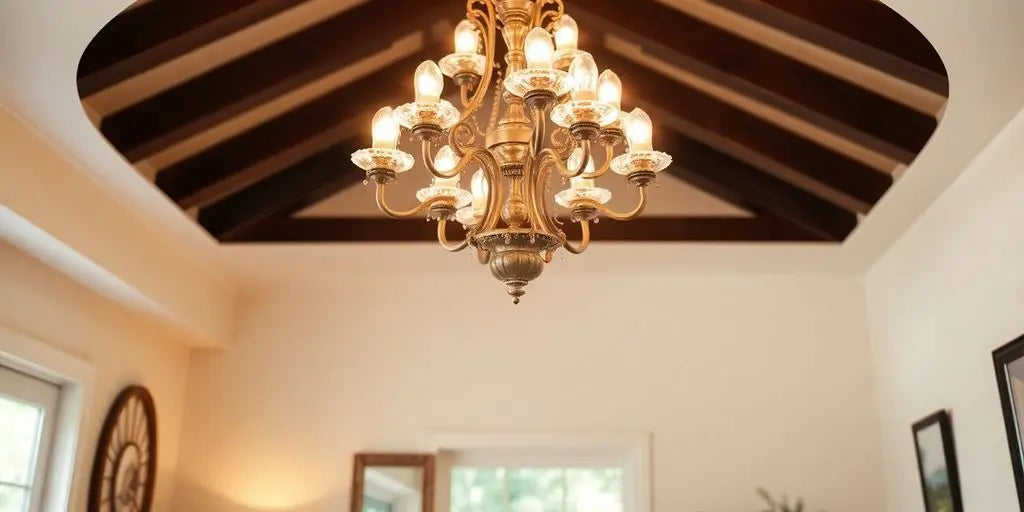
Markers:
point(123, 348)
point(946, 295)
point(99, 241)
point(741, 381)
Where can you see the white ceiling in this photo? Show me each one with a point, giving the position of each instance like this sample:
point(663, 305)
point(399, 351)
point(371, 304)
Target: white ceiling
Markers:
point(980, 41)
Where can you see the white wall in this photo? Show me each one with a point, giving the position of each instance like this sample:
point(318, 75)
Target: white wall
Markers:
point(122, 347)
point(743, 381)
point(940, 301)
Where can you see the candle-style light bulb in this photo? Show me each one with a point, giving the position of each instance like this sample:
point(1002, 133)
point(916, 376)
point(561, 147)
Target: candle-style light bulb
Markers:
point(480, 189)
point(639, 131)
point(540, 51)
point(583, 71)
point(609, 89)
point(429, 82)
point(444, 162)
point(467, 39)
point(581, 182)
point(385, 129)
point(567, 33)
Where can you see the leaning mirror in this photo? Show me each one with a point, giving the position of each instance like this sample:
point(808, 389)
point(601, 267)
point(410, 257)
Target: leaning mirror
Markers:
point(393, 482)
point(1010, 374)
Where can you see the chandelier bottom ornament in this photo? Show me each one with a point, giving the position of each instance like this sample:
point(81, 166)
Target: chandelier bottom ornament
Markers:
point(517, 256)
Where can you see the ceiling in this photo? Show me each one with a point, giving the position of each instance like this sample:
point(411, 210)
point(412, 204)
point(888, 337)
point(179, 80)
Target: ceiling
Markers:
point(788, 120)
point(41, 46)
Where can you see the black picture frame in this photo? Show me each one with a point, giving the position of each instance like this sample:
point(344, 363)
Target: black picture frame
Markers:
point(1003, 357)
point(941, 421)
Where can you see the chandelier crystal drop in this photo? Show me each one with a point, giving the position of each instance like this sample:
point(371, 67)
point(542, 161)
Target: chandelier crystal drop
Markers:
point(507, 212)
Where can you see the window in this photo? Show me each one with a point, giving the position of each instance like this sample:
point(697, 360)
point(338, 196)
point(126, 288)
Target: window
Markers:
point(542, 471)
point(536, 489)
point(27, 419)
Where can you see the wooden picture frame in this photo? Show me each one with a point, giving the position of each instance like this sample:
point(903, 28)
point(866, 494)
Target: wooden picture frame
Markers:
point(364, 460)
point(936, 463)
point(1003, 357)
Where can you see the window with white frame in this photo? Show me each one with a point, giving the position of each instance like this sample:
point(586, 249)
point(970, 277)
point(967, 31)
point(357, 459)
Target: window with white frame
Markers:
point(542, 473)
point(27, 420)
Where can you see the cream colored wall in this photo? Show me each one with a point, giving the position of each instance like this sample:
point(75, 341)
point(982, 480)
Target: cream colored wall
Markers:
point(122, 347)
point(946, 295)
point(743, 381)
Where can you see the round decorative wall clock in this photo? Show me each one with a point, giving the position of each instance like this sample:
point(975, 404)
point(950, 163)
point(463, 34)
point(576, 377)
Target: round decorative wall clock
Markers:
point(124, 469)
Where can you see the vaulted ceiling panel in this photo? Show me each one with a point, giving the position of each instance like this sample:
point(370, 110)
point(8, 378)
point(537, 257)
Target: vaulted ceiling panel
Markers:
point(786, 118)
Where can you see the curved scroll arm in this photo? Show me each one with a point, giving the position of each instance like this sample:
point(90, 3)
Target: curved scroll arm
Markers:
point(584, 240)
point(442, 238)
point(549, 159)
point(539, 14)
point(400, 214)
point(630, 215)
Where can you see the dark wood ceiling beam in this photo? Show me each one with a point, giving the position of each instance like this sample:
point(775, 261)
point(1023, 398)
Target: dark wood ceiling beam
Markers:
point(702, 165)
point(825, 167)
point(289, 138)
point(842, 44)
point(763, 75)
point(159, 122)
point(870, 22)
point(311, 181)
point(644, 229)
point(158, 31)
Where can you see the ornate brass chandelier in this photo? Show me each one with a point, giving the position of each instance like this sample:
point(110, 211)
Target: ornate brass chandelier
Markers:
point(505, 212)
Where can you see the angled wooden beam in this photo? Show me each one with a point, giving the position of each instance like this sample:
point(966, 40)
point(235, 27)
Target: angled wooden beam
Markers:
point(798, 18)
point(312, 180)
point(156, 32)
point(870, 22)
point(158, 122)
point(644, 229)
point(694, 109)
point(289, 138)
point(701, 165)
point(767, 77)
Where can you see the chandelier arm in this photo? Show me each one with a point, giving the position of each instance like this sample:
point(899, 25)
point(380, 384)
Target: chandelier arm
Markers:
point(442, 238)
point(549, 158)
point(623, 216)
point(399, 214)
point(494, 182)
point(464, 95)
point(584, 239)
point(486, 22)
point(538, 209)
point(609, 155)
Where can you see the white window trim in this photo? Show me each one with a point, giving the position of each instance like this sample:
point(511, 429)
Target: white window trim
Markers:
point(631, 449)
point(75, 379)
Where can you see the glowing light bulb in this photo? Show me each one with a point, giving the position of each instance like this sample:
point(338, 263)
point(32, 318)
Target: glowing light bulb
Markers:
point(429, 82)
point(540, 51)
point(385, 129)
point(445, 161)
point(467, 39)
point(567, 33)
point(609, 89)
point(480, 189)
point(581, 182)
point(576, 159)
point(639, 131)
point(584, 77)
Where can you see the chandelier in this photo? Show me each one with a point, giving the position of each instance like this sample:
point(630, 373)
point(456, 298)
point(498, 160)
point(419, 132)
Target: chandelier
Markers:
point(546, 78)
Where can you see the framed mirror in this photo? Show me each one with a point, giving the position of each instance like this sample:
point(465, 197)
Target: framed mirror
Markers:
point(393, 482)
point(1009, 362)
